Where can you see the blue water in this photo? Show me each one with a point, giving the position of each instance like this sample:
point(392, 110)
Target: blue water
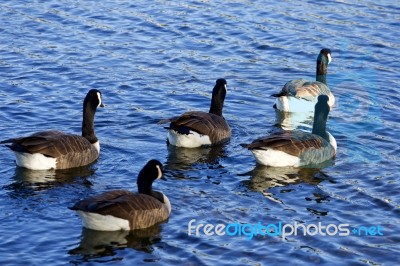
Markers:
point(156, 59)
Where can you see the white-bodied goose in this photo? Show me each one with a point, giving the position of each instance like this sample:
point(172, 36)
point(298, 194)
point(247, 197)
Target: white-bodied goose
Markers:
point(195, 129)
point(57, 150)
point(297, 148)
point(124, 210)
point(300, 95)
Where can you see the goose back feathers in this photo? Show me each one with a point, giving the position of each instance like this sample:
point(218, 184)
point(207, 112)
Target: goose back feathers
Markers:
point(58, 150)
point(195, 128)
point(124, 210)
point(206, 124)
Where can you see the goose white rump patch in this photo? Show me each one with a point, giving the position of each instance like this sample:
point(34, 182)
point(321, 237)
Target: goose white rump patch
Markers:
point(275, 158)
point(191, 140)
point(35, 161)
point(332, 141)
point(100, 222)
point(167, 203)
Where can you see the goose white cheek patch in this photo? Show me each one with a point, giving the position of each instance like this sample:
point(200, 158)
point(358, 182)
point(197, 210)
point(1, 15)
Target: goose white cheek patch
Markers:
point(159, 172)
point(329, 58)
point(99, 97)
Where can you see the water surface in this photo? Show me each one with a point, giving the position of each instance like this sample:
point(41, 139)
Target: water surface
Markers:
point(154, 60)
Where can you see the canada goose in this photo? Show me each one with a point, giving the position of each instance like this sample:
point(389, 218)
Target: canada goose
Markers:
point(57, 150)
point(300, 95)
point(124, 210)
point(297, 148)
point(195, 129)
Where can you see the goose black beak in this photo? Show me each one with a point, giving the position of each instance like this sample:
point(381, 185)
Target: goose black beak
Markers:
point(101, 105)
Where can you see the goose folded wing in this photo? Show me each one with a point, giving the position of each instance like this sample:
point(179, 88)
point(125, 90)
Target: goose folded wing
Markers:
point(200, 122)
point(304, 89)
point(51, 143)
point(119, 203)
point(203, 123)
point(311, 90)
point(293, 143)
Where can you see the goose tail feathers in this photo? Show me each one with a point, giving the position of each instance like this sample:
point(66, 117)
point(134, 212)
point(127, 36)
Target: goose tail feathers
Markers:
point(181, 130)
point(6, 141)
point(279, 94)
point(244, 145)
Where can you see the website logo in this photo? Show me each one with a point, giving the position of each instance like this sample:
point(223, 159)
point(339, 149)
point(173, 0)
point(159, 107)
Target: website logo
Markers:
point(280, 229)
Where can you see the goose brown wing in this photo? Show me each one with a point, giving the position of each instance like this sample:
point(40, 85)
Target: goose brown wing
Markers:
point(311, 90)
point(139, 209)
point(203, 123)
point(50, 143)
point(291, 142)
point(304, 89)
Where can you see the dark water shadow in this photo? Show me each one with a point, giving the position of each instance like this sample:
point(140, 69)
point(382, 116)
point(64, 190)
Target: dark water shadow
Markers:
point(96, 245)
point(179, 158)
point(264, 178)
point(26, 182)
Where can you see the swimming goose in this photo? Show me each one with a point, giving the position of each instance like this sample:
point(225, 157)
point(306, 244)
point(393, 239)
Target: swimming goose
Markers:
point(195, 129)
point(124, 210)
point(300, 95)
point(297, 148)
point(57, 150)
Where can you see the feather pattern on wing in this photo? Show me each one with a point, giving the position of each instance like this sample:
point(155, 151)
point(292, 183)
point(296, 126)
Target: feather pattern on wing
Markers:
point(308, 147)
point(203, 123)
point(304, 89)
point(140, 210)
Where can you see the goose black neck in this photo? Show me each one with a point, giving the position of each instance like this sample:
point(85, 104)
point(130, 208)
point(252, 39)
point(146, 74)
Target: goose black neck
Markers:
point(144, 183)
point(322, 68)
point(320, 118)
point(89, 110)
point(217, 100)
point(145, 187)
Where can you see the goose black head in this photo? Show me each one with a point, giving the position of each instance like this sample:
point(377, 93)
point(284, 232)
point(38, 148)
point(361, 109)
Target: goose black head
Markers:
point(218, 97)
point(324, 58)
point(151, 171)
point(93, 97)
point(325, 52)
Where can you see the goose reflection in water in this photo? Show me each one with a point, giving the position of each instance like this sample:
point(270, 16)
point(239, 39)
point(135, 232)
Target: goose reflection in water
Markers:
point(184, 158)
point(105, 244)
point(263, 178)
point(293, 121)
point(31, 181)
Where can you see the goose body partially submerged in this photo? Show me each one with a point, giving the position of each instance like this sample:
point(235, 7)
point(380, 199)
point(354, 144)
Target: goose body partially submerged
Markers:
point(194, 129)
point(297, 148)
point(124, 210)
